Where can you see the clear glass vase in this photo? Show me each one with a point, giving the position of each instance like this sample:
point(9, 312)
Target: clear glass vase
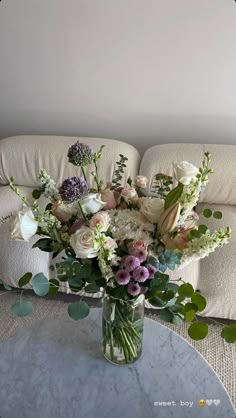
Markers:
point(122, 328)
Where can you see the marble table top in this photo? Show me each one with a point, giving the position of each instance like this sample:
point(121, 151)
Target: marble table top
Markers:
point(56, 369)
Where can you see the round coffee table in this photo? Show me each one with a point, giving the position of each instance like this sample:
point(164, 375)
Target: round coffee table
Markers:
point(55, 369)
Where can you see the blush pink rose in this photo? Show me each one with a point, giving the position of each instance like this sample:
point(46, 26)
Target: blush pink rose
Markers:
point(100, 220)
point(108, 197)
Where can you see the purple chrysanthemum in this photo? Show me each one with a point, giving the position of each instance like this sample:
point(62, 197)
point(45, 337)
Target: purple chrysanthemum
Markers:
point(134, 289)
point(141, 274)
point(80, 154)
point(73, 188)
point(129, 263)
point(152, 270)
point(122, 277)
point(139, 253)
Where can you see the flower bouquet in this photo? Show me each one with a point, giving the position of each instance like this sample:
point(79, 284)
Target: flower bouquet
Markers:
point(122, 241)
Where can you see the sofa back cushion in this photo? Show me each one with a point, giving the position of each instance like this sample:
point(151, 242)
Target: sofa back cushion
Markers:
point(23, 156)
point(222, 186)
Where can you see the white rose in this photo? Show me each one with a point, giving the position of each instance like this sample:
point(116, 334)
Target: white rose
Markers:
point(64, 211)
point(128, 193)
point(185, 172)
point(100, 220)
point(92, 203)
point(141, 181)
point(82, 242)
point(24, 225)
point(151, 208)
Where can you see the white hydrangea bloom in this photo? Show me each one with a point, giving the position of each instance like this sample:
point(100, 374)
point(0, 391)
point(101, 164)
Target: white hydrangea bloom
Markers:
point(130, 224)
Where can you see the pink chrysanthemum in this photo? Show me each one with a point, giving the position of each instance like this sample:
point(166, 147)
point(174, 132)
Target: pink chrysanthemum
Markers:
point(141, 274)
point(133, 289)
point(130, 263)
point(122, 277)
point(152, 270)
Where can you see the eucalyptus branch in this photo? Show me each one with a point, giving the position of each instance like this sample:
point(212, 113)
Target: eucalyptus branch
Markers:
point(119, 171)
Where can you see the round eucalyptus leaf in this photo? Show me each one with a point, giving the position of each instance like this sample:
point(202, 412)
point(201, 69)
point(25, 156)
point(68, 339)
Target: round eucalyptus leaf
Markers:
point(25, 279)
point(186, 290)
point(207, 213)
point(178, 320)
point(21, 308)
point(229, 333)
point(190, 307)
point(78, 310)
point(190, 315)
point(53, 287)
point(203, 229)
point(217, 214)
point(199, 301)
point(40, 284)
point(36, 194)
point(166, 315)
point(198, 330)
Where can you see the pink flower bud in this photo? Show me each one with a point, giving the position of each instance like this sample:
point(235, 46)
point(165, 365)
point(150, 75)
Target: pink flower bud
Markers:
point(169, 218)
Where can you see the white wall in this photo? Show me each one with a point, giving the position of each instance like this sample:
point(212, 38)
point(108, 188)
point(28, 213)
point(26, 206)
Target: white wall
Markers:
point(144, 71)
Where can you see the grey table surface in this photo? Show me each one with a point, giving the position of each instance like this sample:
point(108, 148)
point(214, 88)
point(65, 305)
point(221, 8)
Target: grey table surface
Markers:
point(55, 369)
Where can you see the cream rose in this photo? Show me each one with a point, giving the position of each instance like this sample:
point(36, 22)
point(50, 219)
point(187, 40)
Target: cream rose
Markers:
point(92, 203)
point(82, 242)
point(185, 172)
point(151, 208)
point(100, 220)
point(128, 193)
point(24, 225)
point(141, 181)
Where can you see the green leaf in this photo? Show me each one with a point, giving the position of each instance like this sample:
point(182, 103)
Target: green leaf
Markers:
point(25, 279)
point(190, 307)
point(78, 310)
point(174, 287)
point(194, 234)
point(190, 315)
point(36, 194)
point(177, 320)
point(160, 282)
point(53, 287)
point(199, 301)
point(92, 288)
point(198, 330)
point(75, 284)
point(156, 301)
point(229, 333)
point(166, 315)
point(203, 229)
point(44, 244)
point(40, 284)
point(49, 206)
point(217, 214)
point(207, 213)
point(21, 308)
point(186, 290)
point(173, 196)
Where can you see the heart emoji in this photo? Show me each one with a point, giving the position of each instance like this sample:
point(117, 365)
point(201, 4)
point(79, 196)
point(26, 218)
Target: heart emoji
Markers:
point(216, 402)
point(209, 402)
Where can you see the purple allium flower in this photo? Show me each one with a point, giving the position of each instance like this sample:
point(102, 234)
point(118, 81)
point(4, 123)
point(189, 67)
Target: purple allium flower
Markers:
point(139, 253)
point(141, 274)
point(129, 263)
point(80, 154)
point(152, 270)
point(133, 289)
point(73, 188)
point(122, 277)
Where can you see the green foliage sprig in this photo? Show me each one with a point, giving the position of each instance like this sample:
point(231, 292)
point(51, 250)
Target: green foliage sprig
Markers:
point(119, 171)
point(161, 185)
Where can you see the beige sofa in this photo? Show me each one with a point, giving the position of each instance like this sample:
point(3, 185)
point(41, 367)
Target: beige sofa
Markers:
point(23, 156)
